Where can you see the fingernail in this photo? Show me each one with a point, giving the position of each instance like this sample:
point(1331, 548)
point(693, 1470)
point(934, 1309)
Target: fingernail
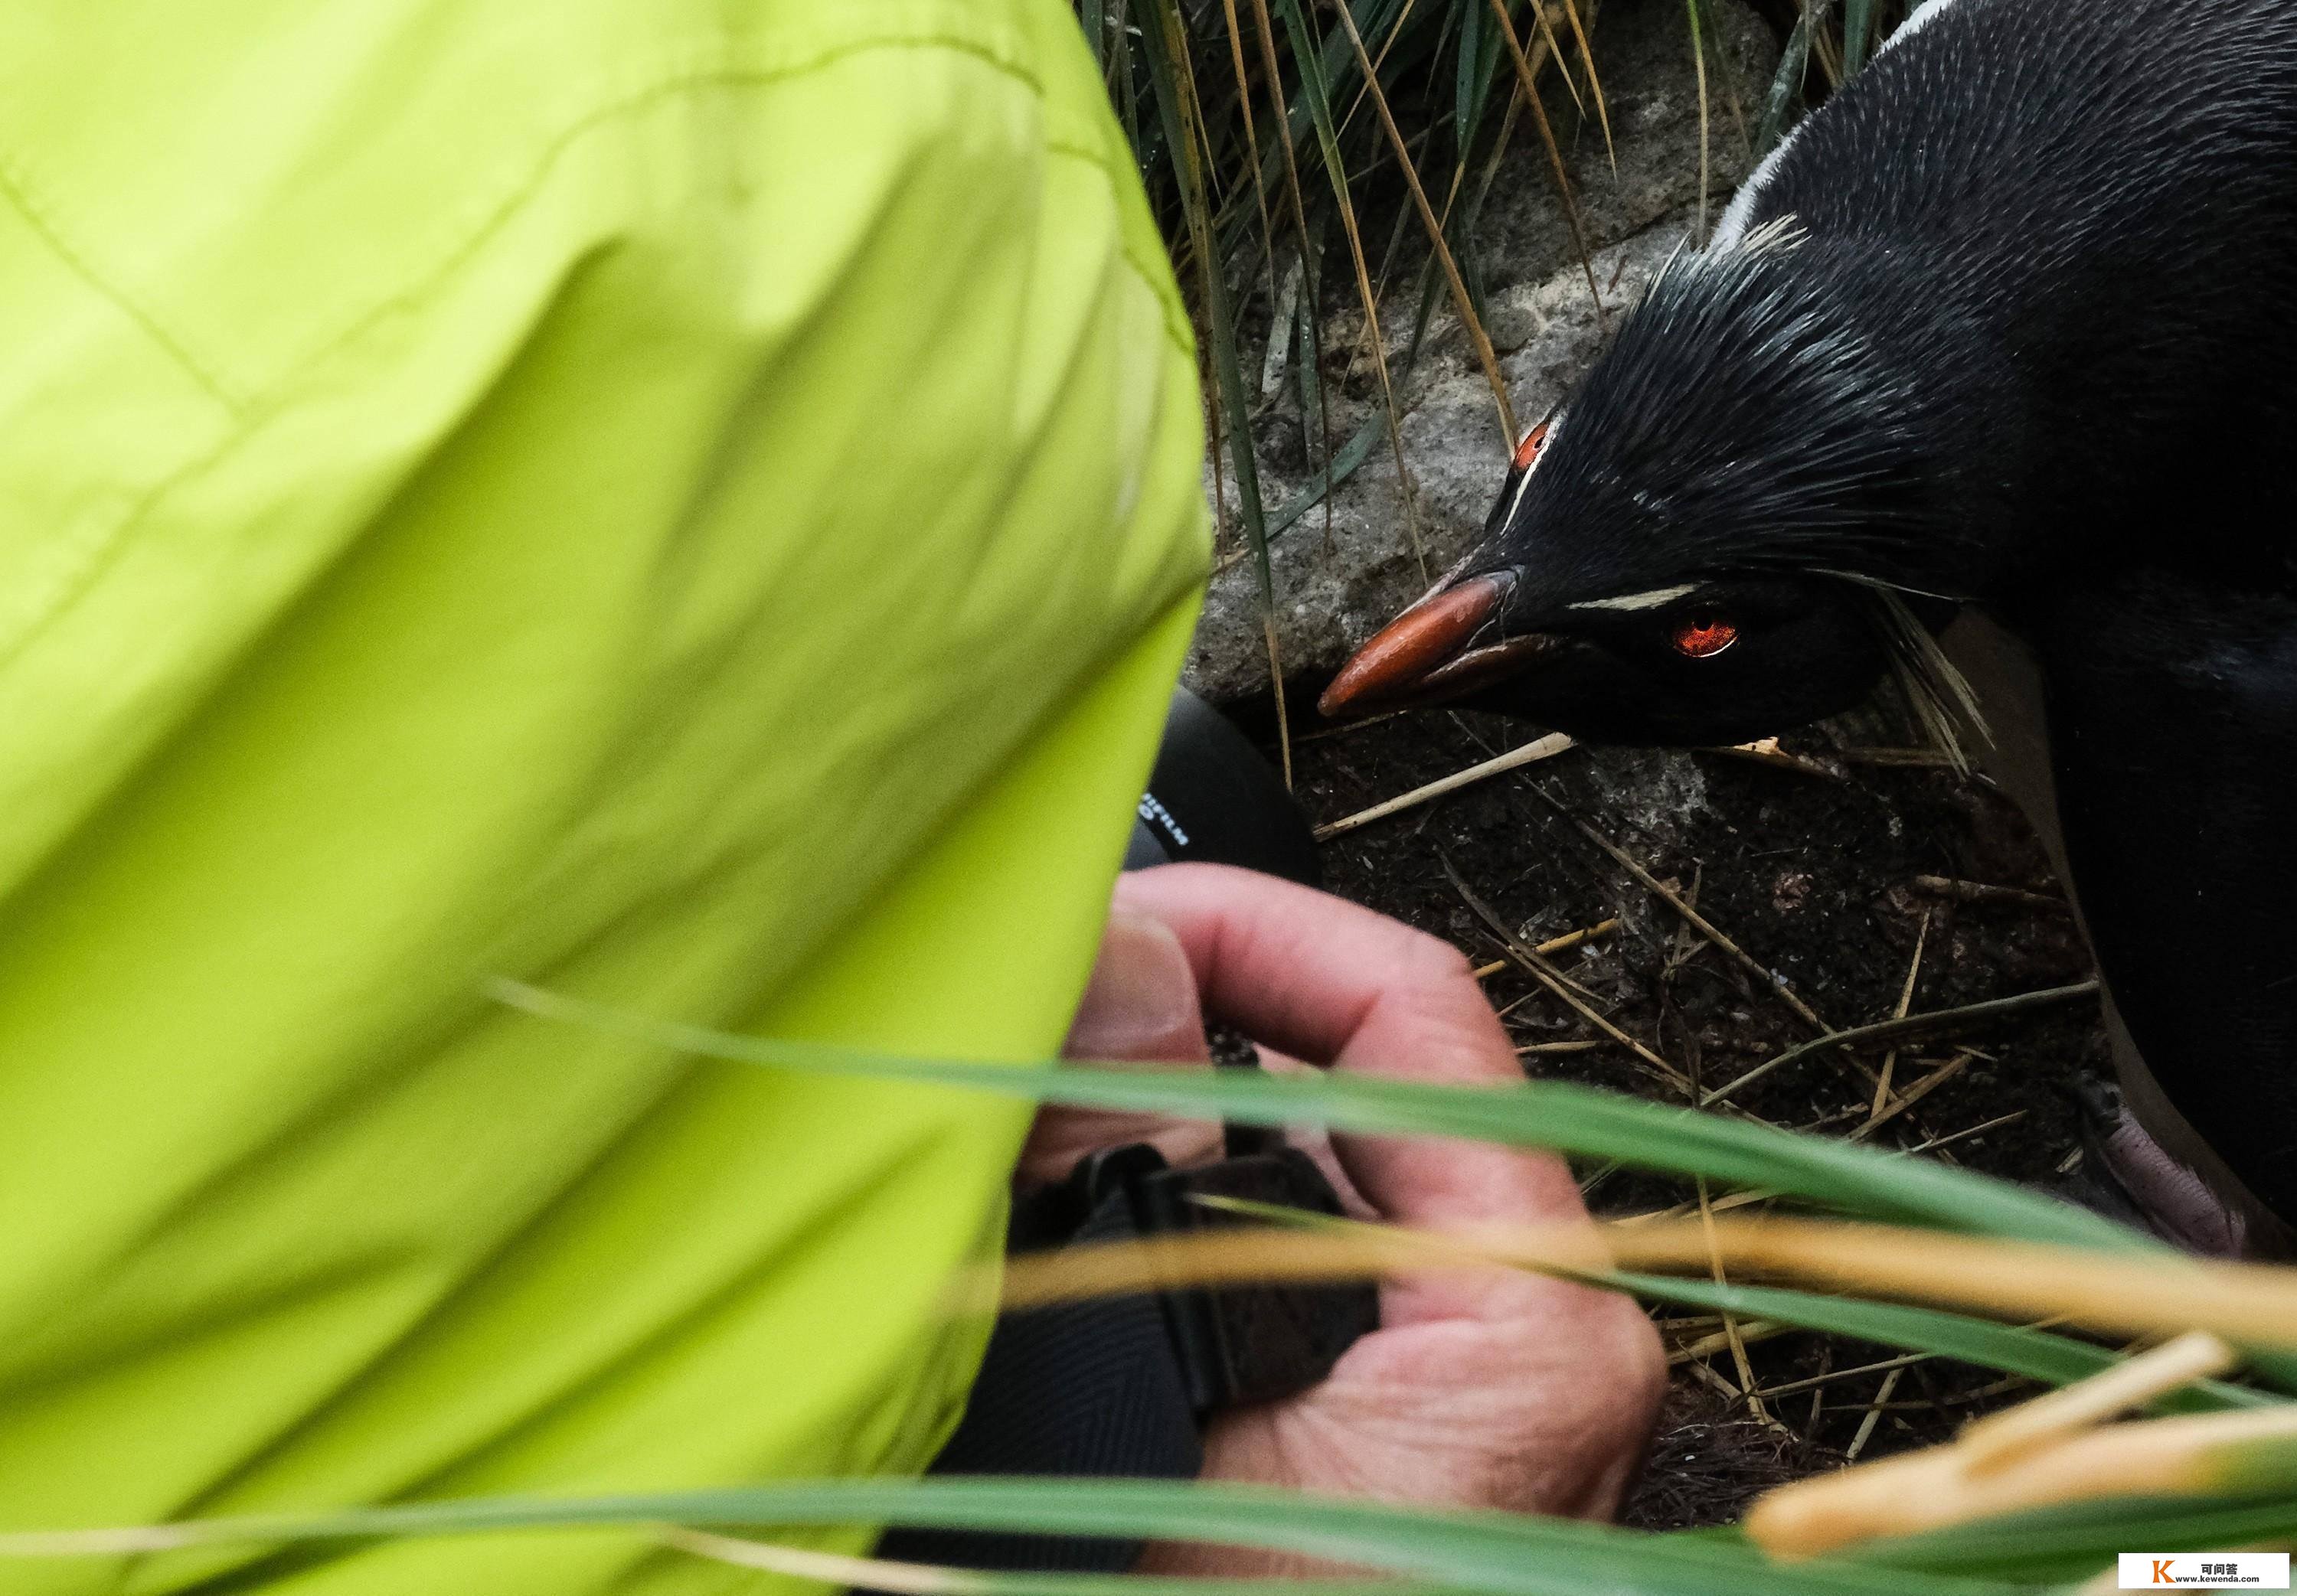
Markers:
point(1141, 1001)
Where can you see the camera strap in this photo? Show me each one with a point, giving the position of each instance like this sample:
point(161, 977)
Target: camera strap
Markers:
point(1118, 1386)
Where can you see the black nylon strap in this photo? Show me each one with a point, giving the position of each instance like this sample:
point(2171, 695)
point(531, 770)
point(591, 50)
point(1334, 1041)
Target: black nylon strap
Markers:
point(1085, 1390)
point(1116, 1387)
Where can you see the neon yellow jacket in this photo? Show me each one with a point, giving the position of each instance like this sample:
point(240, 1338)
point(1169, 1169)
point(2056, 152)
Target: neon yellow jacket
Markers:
point(689, 503)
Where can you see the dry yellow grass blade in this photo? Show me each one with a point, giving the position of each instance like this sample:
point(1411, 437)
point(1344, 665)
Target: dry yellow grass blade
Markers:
point(1731, 1332)
point(1531, 752)
point(1272, 74)
point(1251, 135)
point(2148, 1294)
point(2004, 1437)
point(2047, 1452)
point(1698, 61)
point(1371, 77)
point(1276, 682)
point(1460, 304)
point(1349, 228)
point(1555, 48)
point(1594, 83)
point(1528, 78)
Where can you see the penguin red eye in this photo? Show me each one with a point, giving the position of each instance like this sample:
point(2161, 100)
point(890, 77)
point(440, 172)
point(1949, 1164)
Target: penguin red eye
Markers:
point(1702, 634)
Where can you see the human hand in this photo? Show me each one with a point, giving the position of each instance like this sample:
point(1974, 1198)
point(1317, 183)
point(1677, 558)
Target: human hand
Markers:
point(1485, 1388)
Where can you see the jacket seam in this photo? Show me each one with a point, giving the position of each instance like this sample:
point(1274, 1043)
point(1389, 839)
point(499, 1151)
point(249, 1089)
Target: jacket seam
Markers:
point(14, 186)
point(251, 413)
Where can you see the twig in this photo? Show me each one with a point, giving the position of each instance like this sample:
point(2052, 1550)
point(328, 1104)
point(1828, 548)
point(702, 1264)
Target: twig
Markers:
point(1989, 1009)
point(1731, 1331)
point(1813, 1382)
point(1913, 1095)
point(1706, 1374)
point(1818, 1393)
point(1873, 1413)
point(1722, 1205)
point(1979, 892)
point(1515, 759)
point(1751, 1331)
point(1936, 1142)
point(1986, 1392)
point(1546, 976)
point(1553, 945)
point(1705, 927)
point(1572, 939)
point(1687, 942)
point(1276, 678)
point(1906, 1002)
point(1346, 728)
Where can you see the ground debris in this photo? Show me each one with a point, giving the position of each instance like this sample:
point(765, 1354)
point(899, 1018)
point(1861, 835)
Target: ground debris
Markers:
point(1823, 892)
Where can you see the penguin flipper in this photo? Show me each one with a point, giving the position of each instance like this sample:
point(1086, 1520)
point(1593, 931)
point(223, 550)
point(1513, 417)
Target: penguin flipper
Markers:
point(2173, 720)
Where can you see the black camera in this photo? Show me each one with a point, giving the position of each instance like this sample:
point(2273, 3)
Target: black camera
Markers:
point(1119, 1387)
point(1212, 798)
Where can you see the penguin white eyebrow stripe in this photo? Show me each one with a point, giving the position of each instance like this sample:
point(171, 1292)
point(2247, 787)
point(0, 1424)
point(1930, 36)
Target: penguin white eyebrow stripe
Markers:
point(1651, 600)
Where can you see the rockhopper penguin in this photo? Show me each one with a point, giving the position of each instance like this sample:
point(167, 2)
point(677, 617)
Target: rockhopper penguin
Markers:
point(2000, 349)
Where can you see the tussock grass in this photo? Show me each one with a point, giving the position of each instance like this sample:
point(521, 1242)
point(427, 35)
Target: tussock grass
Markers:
point(2026, 1500)
point(1266, 129)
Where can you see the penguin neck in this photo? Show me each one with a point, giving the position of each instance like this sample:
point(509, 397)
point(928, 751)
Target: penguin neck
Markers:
point(2057, 462)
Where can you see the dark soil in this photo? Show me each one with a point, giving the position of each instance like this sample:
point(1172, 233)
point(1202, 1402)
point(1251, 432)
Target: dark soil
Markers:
point(1815, 876)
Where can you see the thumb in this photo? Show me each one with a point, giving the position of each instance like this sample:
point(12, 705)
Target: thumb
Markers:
point(1142, 1002)
point(1141, 1006)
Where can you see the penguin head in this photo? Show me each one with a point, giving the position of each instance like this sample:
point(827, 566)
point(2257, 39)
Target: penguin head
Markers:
point(1710, 541)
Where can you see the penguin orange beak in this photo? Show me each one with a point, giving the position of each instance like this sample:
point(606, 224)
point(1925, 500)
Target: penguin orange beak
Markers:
point(1427, 654)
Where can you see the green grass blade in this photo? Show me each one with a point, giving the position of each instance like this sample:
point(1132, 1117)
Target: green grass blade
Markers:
point(932, 1580)
point(1786, 86)
point(1118, 74)
point(1499, 1554)
point(1337, 469)
point(1315, 96)
point(1315, 414)
point(1857, 33)
point(1163, 34)
point(1475, 72)
point(2080, 1538)
point(1315, 417)
point(2039, 1354)
point(1469, 51)
point(1565, 1118)
point(1556, 1114)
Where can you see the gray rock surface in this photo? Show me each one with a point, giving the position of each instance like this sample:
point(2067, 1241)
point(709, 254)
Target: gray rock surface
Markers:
point(1389, 536)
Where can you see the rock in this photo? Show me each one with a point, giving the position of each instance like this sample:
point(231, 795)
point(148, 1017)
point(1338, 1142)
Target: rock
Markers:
point(1654, 791)
point(1389, 539)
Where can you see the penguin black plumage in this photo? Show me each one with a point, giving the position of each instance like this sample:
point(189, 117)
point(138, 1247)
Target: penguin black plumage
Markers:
point(2007, 328)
